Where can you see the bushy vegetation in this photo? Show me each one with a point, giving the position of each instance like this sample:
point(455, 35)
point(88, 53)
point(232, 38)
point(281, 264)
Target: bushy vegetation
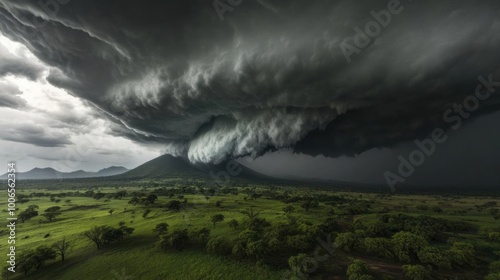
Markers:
point(271, 231)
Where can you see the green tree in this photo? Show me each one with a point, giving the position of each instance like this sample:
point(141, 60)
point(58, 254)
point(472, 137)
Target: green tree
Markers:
point(233, 223)
point(406, 245)
point(161, 228)
point(346, 241)
point(178, 240)
point(42, 254)
point(28, 214)
point(203, 234)
point(102, 235)
point(150, 199)
point(219, 246)
point(217, 218)
point(358, 270)
point(462, 254)
point(62, 247)
point(174, 205)
point(308, 204)
point(288, 209)
point(52, 212)
point(434, 257)
point(250, 213)
point(379, 246)
point(416, 272)
point(300, 266)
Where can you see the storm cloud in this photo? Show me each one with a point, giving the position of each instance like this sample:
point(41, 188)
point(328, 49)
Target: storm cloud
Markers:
point(272, 74)
point(9, 96)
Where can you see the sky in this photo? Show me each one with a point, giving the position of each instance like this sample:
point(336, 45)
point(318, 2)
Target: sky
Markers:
point(325, 89)
point(44, 126)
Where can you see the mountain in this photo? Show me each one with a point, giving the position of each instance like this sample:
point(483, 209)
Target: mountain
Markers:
point(165, 166)
point(50, 173)
point(110, 171)
point(168, 166)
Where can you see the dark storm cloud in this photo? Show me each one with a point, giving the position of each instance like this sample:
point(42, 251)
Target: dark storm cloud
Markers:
point(9, 96)
point(267, 76)
point(32, 134)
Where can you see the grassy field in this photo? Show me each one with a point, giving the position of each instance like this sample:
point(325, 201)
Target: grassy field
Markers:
point(136, 257)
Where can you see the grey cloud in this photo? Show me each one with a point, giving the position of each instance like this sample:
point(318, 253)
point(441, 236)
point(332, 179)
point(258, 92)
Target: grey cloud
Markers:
point(266, 77)
point(11, 64)
point(36, 135)
point(9, 96)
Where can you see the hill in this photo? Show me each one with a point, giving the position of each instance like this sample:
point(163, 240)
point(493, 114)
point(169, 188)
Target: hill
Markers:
point(50, 173)
point(168, 166)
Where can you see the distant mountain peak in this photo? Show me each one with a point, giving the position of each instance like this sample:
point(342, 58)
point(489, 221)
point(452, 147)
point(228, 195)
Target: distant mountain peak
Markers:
point(48, 173)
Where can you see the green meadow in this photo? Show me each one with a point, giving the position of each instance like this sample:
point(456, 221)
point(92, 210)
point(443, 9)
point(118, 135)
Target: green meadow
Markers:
point(138, 255)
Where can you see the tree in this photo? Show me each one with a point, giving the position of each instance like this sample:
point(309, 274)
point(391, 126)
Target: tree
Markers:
point(406, 245)
point(299, 266)
point(233, 223)
point(96, 235)
point(251, 214)
point(161, 228)
point(256, 249)
point(61, 247)
point(111, 211)
point(174, 205)
point(203, 234)
point(28, 214)
point(217, 218)
point(41, 255)
point(462, 254)
point(218, 245)
point(150, 199)
point(434, 257)
point(358, 270)
point(308, 204)
point(288, 209)
point(416, 272)
point(178, 239)
point(380, 246)
point(134, 200)
point(346, 241)
point(146, 213)
point(52, 212)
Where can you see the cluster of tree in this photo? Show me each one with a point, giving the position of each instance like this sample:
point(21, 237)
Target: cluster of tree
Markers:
point(103, 235)
point(34, 259)
point(147, 200)
point(260, 239)
point(408, 247)
point(28, 214)
point(431, 228)
point(180, 238)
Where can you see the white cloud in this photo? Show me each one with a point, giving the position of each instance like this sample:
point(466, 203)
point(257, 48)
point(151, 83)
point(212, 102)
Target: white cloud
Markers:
point(54, 129)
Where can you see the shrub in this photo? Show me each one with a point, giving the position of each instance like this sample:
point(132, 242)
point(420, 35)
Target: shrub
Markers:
point(219, 246)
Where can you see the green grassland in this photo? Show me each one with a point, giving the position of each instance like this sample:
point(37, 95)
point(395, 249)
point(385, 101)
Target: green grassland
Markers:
point(137, 257)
